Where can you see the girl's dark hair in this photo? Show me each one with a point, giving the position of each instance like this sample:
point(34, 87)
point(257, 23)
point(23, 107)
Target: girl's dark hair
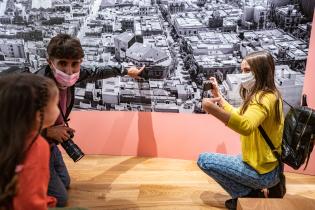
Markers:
point(263, 67)
point(64, 46)
point(22, 96)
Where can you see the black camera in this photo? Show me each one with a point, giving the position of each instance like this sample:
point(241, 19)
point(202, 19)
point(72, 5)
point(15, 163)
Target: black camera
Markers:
point(207, 85)
point(72, 149)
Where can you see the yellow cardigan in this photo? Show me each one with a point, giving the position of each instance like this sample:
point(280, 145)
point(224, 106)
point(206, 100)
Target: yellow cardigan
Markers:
point(255, 151)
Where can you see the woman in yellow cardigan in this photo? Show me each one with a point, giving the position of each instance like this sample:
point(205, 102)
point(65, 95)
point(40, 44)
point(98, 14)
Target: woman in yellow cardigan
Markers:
point(256, 168)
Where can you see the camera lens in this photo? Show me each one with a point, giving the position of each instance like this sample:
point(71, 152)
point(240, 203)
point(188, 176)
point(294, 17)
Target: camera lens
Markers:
point(74, 152)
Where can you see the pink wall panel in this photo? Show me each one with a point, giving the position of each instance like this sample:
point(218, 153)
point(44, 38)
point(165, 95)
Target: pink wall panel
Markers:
point(309, 83)
point(152, 134)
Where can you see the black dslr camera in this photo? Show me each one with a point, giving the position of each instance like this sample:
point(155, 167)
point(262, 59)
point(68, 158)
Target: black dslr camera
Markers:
point(72, 149)
point(206, 86)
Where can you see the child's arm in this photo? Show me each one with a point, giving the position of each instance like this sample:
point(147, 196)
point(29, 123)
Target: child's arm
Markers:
point(33, 179)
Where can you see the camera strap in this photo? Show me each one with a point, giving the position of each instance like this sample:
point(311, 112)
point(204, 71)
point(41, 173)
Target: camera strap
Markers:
point(65, 120)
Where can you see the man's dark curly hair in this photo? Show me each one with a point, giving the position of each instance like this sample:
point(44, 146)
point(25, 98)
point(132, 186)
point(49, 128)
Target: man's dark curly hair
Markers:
point(64, 46)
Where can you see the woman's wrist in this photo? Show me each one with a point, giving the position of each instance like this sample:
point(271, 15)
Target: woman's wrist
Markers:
point(221, 101)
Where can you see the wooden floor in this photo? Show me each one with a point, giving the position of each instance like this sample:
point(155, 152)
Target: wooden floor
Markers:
point(115, 182)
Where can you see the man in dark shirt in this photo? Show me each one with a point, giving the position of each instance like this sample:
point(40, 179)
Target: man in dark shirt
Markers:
point(65, 56)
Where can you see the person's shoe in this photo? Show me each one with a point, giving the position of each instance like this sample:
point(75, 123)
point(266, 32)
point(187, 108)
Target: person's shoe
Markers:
point(231, 204)
point(276, 191)
point(255, 194)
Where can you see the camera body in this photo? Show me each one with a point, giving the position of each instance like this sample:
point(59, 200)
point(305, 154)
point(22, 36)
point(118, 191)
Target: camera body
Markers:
point(72, 149)
point(207, 85)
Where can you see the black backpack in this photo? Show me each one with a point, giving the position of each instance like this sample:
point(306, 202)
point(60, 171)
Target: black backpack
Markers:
point(297, 141)
point(298, 136)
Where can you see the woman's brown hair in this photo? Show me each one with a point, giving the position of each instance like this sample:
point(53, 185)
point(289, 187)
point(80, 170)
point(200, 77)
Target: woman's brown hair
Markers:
point(263, 67)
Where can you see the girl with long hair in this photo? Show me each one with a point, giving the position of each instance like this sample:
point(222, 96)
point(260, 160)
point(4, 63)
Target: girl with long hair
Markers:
point(28, 103)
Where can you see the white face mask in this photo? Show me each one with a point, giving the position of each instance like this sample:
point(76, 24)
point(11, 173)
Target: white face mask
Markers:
point(248, 80)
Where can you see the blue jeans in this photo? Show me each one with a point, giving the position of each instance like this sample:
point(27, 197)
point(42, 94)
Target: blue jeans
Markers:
point(235, 176)
point(59, 177)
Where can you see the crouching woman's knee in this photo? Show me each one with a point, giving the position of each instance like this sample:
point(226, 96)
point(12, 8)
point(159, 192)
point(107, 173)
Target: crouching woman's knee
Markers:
point(201, 160)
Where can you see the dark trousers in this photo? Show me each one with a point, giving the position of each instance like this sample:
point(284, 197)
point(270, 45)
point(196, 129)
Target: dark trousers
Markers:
point(59, 177)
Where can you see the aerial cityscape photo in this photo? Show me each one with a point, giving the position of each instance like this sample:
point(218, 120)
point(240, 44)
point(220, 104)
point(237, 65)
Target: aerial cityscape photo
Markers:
point(181, 43)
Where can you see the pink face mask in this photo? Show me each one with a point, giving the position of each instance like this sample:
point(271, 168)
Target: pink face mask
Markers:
point(64, 79)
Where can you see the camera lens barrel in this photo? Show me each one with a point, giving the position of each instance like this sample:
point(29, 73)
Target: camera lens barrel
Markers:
point(74, 152)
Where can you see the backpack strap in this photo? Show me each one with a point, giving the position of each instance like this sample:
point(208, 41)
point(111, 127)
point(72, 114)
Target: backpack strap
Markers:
point(268, 141)
point(288, 104)
point(309, 150)
point(304, 128)
point(308, 156)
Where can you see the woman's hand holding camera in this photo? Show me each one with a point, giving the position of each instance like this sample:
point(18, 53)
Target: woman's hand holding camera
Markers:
point(216, 93)
point(59, 133)
point(214, 105)
point(209, 104)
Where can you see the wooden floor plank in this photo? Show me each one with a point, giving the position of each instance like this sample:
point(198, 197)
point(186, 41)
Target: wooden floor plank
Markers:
point(114, 182)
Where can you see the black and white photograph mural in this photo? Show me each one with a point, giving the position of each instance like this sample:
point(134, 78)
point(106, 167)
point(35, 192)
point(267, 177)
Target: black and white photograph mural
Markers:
point(181, 43)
